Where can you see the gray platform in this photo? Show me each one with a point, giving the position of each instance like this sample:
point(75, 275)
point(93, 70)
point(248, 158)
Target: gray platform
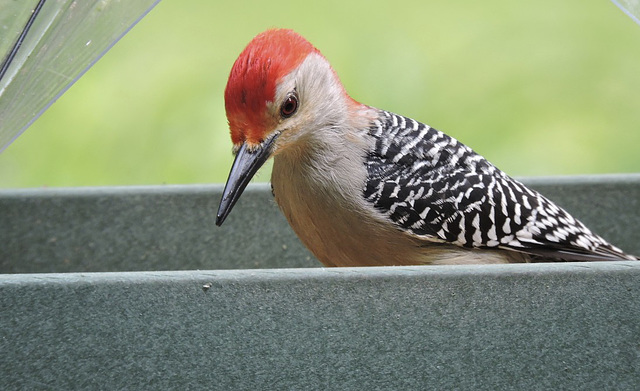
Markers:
point(91, 323)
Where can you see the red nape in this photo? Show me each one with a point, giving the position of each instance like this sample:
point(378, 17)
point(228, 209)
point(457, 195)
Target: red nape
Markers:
point(252, 83)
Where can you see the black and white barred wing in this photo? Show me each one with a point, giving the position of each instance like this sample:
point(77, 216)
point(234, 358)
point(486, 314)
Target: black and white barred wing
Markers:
point(438, 189)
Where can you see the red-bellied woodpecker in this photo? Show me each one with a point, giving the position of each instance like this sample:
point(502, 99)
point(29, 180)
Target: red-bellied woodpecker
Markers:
point(362, 186)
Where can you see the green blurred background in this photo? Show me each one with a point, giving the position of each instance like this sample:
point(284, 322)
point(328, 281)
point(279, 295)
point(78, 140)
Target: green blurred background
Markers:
point(539, 88)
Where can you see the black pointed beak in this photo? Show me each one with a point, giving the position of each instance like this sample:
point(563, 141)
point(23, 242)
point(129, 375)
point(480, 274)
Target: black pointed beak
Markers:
point(246, 164)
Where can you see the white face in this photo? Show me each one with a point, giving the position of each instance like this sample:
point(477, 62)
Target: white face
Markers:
point(322, 103)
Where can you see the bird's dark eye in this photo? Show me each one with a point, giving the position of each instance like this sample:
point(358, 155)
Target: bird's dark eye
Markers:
point(289, 106)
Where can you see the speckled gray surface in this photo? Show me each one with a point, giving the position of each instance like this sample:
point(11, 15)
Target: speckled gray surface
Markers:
point(143, 228)
point(524, 327)
point(172, 227)
point(491, 327)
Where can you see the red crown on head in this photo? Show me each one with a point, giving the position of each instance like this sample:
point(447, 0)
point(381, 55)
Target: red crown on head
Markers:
point(254, 76)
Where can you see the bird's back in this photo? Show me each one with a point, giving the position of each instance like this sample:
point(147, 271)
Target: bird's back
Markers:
point(438, 189)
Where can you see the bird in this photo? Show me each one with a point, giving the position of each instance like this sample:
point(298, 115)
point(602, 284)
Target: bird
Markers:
point(361, 186)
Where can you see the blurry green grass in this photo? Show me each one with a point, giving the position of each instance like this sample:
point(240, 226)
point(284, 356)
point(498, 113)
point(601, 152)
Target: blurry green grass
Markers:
point(541, 88)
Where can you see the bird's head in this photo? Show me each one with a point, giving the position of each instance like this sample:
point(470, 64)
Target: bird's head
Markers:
point(279, 91)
